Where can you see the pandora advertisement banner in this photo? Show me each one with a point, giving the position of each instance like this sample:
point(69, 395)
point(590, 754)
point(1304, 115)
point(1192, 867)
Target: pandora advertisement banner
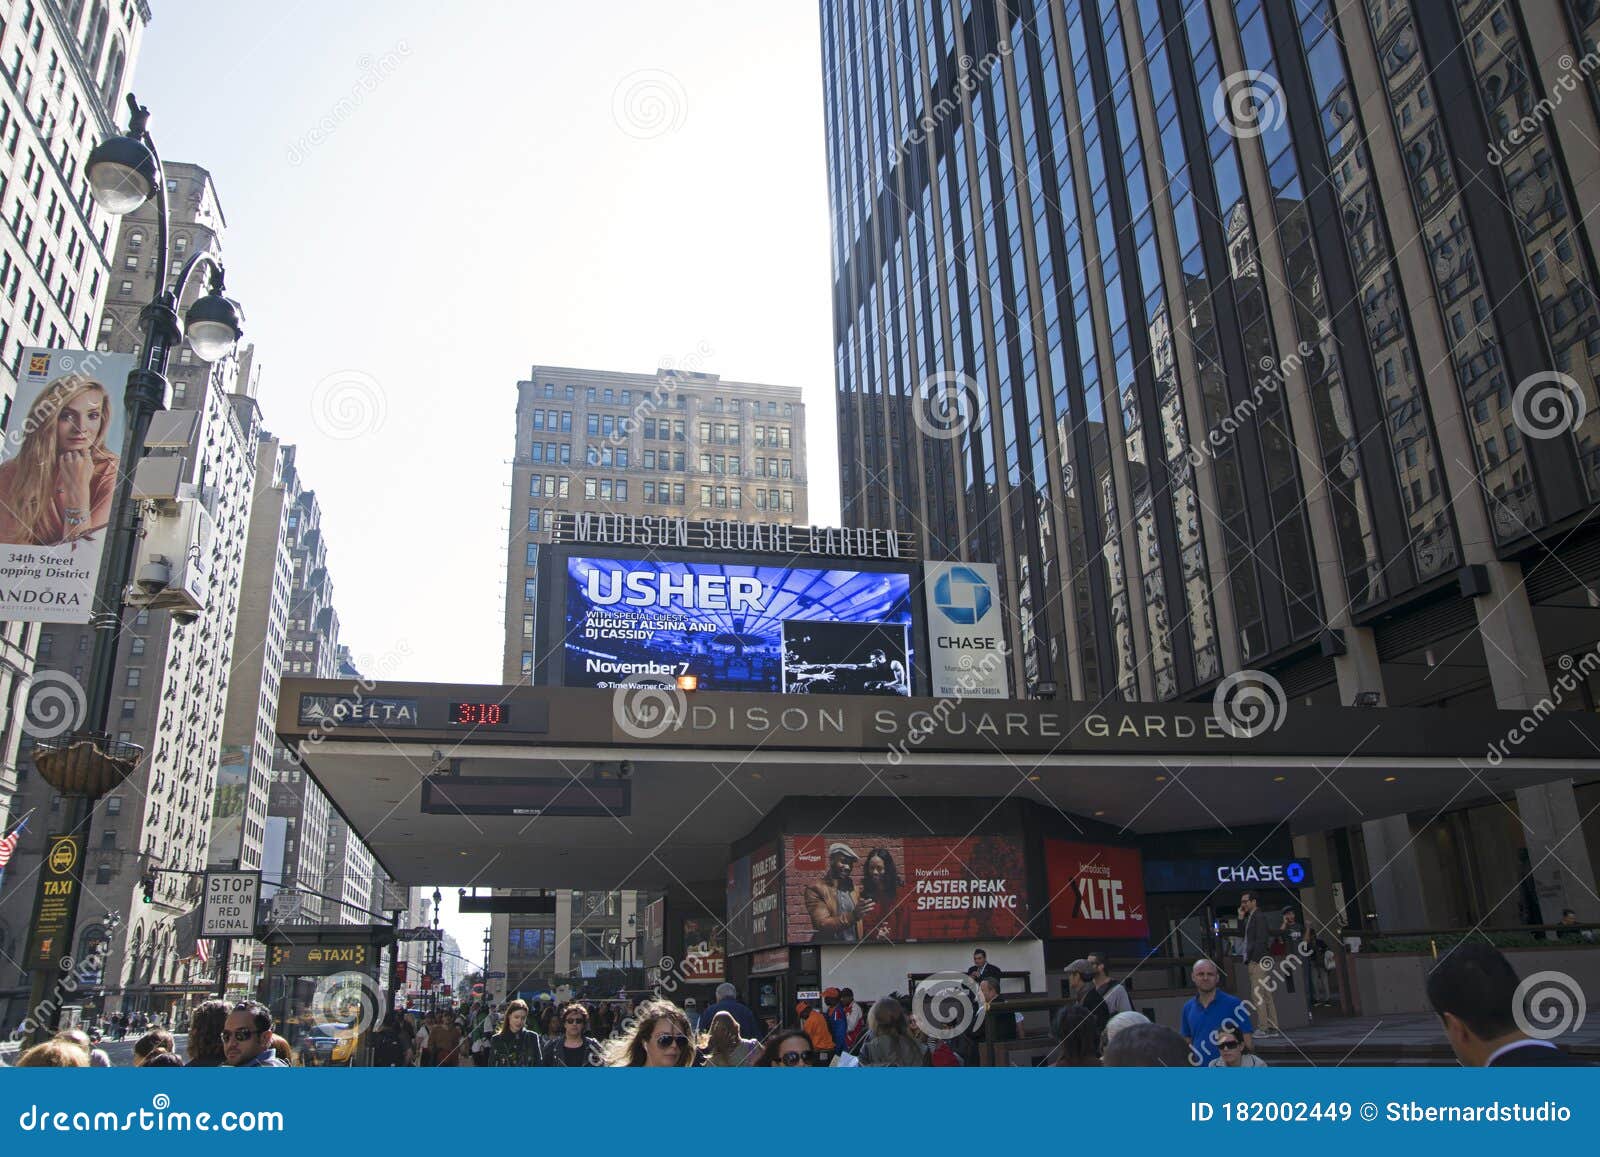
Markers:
point(58, 475)
point(966, 639)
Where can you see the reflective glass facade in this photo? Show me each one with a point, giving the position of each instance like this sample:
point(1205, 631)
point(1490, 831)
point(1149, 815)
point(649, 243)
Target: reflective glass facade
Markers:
point(1208, 377)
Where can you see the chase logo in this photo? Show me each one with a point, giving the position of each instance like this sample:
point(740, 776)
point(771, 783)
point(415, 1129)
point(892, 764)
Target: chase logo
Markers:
point(962, 595)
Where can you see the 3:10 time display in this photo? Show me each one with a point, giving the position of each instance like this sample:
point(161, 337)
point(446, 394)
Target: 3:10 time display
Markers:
point(480, 715)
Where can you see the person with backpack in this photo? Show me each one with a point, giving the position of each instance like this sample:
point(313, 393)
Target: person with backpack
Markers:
point(389, 1047)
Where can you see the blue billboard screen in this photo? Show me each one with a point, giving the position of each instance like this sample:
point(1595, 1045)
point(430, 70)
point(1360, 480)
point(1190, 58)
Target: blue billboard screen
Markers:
point(737, 627)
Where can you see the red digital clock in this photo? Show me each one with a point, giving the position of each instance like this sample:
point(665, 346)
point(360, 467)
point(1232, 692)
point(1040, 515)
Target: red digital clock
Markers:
point(479, 715)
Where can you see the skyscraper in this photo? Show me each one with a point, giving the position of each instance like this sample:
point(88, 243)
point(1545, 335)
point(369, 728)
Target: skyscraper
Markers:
point(68, 66)
point(171, 680)
point(675, 442)
point(1242, 336)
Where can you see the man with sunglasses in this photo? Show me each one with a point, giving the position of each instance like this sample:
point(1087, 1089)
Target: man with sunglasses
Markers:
point(247, 1038)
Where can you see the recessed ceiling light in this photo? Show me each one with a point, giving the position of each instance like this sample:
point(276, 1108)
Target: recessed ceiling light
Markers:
point(1161, 779)
point(1390, 778)
point(1033, 779)
point(1279, 778)
point(755, 775)
point(1100, 813)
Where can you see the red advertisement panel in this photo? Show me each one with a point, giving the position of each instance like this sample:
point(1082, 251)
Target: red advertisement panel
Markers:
point(843, 889)
point(1096, 891)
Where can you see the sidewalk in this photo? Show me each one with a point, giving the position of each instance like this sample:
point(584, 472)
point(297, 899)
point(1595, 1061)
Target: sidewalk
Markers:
point(1400, 1039)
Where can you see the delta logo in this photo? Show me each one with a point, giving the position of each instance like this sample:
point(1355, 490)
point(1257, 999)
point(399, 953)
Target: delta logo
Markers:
point(962, 595)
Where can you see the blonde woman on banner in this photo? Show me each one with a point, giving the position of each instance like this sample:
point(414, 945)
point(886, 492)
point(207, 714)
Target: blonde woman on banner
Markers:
point(59, 485)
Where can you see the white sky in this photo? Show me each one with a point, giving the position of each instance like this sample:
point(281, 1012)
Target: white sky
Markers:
point(476, 208)
point(484, 201)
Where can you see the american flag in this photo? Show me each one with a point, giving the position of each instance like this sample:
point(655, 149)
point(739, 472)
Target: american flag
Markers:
point(8, 844)
point(202, 949)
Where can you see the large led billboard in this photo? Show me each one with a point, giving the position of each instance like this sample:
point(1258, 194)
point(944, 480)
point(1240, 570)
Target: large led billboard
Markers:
point(799, 629)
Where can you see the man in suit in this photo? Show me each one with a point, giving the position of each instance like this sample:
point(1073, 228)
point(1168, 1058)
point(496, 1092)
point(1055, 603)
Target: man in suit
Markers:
point(1473, 988)
point(1259, 961)
point(981, 967)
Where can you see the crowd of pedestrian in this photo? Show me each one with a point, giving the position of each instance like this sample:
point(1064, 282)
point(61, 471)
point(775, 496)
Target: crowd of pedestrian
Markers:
point(1472, 988)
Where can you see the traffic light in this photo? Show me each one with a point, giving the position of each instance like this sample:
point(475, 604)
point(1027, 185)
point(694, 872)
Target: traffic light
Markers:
point(147, 882)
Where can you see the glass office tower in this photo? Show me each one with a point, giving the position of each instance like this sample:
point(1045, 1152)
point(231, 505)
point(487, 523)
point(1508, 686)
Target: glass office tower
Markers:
point(1241, 335)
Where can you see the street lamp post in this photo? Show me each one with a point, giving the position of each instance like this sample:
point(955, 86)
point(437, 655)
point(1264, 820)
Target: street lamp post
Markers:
point(83, 765)
point(438, 952)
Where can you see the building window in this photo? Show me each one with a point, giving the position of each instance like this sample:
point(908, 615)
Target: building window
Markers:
point(135, 674)
point(47, 643)
point(533, 554)
point(527, 627)
point(113, 805)
point(530, 587)
point(128, 706)
point(102, 874)
point(527, 663)
point(136, 646)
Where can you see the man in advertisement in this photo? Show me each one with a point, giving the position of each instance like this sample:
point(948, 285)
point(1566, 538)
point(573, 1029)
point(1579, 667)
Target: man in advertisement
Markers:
point(831, 901)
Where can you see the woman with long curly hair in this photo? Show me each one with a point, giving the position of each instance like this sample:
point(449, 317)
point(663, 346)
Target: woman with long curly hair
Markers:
point(659, 1038)
point(59, 486)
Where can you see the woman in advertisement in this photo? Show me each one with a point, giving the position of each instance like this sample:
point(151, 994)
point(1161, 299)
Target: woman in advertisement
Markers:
point(58, 487)
point(884, 915)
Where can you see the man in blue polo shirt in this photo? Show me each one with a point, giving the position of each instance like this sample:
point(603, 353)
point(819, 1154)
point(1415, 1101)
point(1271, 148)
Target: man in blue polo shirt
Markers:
point(1210, 1009)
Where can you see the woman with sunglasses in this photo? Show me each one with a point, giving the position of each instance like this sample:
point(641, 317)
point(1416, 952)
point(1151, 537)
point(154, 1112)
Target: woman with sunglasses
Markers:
point(515, 1045)
point(1230, 1044)
point(789, 1049)
point(659, 1038)
point(575, 1048)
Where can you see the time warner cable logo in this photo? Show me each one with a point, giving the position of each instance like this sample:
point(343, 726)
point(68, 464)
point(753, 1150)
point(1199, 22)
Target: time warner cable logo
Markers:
point(962, 595)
